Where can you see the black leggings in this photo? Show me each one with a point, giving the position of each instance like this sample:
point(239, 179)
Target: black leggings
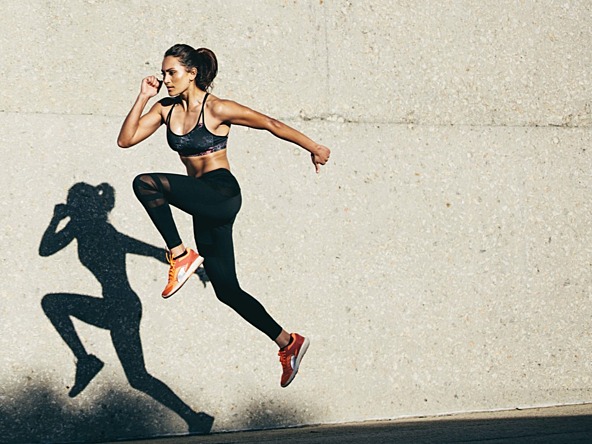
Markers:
point(213, 200)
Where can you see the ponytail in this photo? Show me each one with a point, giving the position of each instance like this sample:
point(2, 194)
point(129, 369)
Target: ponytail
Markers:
point(207, 68)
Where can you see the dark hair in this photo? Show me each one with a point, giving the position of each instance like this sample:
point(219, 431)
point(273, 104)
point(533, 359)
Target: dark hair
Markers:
point(202, 59)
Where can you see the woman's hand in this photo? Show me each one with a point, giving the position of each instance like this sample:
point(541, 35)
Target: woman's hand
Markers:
point(150, 86)
point(320, 156)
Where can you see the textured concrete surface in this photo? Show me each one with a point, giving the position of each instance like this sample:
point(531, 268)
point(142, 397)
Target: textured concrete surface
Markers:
point(440, 263)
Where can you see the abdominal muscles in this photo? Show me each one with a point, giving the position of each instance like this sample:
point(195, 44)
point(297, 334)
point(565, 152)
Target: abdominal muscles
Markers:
point(198, 165)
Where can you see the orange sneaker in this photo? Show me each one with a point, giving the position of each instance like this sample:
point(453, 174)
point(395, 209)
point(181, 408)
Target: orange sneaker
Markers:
point(290, 357)
point(181, 270)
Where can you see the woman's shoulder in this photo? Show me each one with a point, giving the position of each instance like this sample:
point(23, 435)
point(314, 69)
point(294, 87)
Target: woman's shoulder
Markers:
point(219, 106)
point(165, 105)
point(168, 101)
point(215, 100)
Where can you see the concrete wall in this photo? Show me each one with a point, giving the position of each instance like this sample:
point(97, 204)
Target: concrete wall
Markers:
point(440, 263)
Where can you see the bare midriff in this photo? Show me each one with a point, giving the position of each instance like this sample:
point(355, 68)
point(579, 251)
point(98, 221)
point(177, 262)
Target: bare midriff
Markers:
point(198, 165)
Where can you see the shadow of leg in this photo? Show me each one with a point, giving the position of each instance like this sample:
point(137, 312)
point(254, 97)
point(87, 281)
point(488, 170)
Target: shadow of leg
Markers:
point(127, 343)
point(59, 307)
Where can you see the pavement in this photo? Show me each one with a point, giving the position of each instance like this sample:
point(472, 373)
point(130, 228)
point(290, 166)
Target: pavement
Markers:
point(562, 425)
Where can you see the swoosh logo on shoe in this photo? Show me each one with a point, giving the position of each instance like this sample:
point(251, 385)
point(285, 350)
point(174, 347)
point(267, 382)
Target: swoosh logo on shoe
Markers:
point(182, 274)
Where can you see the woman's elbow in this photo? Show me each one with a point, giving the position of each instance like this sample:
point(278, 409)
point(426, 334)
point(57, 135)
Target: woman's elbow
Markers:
point(273, 125)
point(123, 143)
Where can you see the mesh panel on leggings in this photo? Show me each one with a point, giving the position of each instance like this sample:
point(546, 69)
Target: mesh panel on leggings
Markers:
point(150, 189)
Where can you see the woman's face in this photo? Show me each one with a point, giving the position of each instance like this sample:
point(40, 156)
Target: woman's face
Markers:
point(176, 78)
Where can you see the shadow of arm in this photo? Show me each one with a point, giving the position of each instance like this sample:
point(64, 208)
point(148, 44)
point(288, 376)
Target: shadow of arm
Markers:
point(135, 246)
point(53, 240)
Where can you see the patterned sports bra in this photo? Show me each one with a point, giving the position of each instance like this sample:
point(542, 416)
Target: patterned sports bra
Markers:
point(197, 142)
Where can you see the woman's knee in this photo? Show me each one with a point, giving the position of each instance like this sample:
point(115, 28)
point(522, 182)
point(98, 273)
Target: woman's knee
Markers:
point(228, 293)
point(143, 182)
point(149, 189)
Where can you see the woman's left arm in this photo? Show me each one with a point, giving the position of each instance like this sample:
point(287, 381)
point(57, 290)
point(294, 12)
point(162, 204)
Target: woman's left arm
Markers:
point(231, 112)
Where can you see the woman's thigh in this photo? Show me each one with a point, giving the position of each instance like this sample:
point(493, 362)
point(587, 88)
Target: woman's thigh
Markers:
point(197, 197)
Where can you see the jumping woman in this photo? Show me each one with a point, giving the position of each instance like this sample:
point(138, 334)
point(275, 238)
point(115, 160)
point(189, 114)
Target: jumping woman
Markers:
point(198, 124)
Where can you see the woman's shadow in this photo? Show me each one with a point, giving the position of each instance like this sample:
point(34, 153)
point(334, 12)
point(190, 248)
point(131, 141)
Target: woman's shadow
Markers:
point(102, 249)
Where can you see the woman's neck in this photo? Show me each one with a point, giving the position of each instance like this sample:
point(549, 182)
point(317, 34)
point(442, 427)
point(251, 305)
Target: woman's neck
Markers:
point(192, 97)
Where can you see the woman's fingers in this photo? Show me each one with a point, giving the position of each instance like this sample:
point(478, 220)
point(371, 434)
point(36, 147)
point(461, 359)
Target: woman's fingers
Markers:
point(150, 85)
point(319, 160)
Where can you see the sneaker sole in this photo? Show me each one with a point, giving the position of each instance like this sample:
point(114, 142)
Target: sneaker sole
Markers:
point(303, 350)
point(192, 269)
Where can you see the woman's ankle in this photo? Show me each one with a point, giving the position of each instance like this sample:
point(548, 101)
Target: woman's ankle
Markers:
point(178, 251)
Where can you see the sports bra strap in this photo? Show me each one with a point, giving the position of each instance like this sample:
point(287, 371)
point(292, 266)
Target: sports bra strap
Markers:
point(168, 117)
point(202, 115)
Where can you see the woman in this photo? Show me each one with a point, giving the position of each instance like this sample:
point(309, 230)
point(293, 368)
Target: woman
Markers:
point(198, 124)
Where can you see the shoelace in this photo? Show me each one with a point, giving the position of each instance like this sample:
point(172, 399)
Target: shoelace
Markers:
point(284, 359)
point(171, 261)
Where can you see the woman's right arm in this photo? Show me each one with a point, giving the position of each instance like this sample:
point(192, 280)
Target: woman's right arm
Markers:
point(137, 127)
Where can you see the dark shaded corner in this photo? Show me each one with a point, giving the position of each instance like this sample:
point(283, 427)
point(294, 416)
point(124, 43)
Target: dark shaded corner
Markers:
point(35, 412)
